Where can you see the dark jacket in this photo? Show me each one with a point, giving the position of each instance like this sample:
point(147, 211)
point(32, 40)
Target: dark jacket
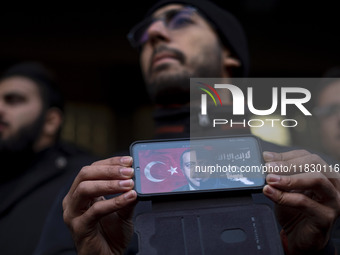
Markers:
point(27, 198)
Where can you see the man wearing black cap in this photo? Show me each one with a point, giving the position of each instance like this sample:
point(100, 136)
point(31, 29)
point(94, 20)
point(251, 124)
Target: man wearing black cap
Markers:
point(34, 165)
point(179, 40)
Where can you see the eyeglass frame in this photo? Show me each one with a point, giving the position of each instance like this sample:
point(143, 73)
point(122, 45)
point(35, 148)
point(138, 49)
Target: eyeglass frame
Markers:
point(147, 22)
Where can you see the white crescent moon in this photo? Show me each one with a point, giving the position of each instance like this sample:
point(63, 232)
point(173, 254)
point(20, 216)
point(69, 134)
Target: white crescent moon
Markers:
point(148, 174)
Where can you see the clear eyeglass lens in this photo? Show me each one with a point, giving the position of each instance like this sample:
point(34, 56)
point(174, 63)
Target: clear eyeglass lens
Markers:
point(172, 20)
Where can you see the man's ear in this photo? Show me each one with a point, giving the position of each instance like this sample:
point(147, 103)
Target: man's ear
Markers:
point(229, 63)
point(53, 121)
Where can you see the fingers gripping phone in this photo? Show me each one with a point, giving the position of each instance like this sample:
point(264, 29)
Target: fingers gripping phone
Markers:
point(177, 167)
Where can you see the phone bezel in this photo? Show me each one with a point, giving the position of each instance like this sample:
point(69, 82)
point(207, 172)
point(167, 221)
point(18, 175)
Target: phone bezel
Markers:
point(196, 193)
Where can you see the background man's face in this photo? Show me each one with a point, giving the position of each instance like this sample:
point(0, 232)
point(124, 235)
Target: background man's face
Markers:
point(330, 125)
point(20, 109)
point(170, 57)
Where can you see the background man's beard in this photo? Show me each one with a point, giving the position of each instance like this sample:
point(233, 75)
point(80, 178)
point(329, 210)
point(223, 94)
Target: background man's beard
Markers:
point(16, 153)
point(24, 139)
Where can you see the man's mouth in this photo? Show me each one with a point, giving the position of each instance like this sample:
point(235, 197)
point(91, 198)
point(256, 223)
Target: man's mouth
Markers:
point(164, 57)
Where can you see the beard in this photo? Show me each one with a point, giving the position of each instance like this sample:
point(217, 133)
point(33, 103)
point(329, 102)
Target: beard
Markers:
point(174, 87)
point(17, 150)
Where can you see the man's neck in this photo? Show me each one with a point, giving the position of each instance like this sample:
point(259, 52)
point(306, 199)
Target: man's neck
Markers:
point(176, 122)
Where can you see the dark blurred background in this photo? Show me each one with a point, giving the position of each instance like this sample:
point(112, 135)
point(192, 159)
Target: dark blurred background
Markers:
point(107, 105)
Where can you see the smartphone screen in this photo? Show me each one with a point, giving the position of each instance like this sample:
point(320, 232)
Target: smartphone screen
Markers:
point(197, 165)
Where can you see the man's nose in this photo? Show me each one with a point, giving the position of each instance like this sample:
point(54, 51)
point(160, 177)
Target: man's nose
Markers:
point(158, 31)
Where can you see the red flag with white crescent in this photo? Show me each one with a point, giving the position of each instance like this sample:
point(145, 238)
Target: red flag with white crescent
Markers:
point(161, 170)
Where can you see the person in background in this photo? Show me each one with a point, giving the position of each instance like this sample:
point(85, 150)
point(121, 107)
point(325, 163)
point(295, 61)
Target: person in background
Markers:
point(34, 162)
point(328, 112)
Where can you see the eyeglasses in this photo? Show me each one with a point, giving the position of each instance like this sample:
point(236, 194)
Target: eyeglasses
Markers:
point(173, 20)
point(327, 111)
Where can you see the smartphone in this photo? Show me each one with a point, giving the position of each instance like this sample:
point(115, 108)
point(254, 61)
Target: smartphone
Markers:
point(189, 166)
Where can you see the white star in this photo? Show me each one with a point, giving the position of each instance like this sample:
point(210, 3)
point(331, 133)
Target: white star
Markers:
point(172, 170)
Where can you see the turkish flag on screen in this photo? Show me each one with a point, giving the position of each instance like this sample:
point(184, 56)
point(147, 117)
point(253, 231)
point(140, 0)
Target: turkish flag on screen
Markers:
point(161, 170)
